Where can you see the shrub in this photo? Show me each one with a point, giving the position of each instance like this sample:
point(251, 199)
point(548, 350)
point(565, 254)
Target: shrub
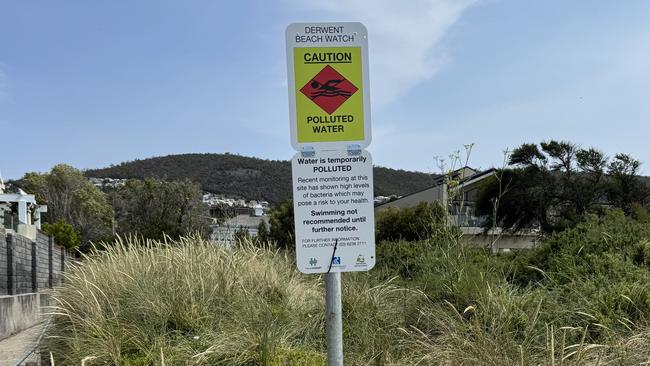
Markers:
point(640, 213)
point(155, 208)
point(241, 235)
point(262, 232)
point(581, 298)
point(598, 268)
point(411, 223)
point(63, 233)
point(282, 231)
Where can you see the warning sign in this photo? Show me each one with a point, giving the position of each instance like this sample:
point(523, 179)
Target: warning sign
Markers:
point(334, 212)
point(328, 85)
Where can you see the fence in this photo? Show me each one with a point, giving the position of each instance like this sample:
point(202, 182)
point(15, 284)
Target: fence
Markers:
point(27, 266)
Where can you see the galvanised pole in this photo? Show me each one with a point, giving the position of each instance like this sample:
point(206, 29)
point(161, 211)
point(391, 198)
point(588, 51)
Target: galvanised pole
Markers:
point(333, 319)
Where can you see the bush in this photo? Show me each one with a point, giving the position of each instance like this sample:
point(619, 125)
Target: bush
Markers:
point(63, 233)
point(411, 223)
point(241, 235)
point(598, 268)
point(640, 213)
point(282, 232)
point(72, 198)
point(262, 232)
point(588, 287)
point(582, 297)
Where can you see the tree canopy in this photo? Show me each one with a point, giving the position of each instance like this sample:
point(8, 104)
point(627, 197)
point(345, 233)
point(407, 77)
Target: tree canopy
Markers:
point(71, 199)
point(553, 185)
point(153, 208)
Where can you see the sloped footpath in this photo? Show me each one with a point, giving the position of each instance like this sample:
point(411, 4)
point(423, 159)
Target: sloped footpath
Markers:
point(12, 348)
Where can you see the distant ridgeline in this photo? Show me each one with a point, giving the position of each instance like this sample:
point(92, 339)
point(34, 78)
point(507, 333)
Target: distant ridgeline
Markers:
point(246, 177)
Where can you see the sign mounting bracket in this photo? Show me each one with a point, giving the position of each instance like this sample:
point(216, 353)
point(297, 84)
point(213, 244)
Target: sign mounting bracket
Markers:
point(307, 151)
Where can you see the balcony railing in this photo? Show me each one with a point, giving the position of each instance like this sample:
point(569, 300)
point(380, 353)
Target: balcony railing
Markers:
point(468, 220)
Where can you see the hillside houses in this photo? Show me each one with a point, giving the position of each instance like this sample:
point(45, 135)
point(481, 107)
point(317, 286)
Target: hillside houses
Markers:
point(107, 183)
point(219, 199)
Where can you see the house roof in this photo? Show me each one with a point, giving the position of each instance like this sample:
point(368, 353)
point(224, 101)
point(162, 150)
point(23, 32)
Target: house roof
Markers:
point(478, 176)
point(455, 174)
point(438, 181)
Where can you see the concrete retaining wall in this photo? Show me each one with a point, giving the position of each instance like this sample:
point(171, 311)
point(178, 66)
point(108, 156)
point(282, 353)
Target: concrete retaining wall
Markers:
point(20, 312)
point(499, 241)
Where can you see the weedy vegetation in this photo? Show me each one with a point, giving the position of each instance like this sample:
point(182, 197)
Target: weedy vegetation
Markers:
point(580, 298)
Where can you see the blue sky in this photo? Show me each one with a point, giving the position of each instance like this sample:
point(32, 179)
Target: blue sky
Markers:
point(93, 83)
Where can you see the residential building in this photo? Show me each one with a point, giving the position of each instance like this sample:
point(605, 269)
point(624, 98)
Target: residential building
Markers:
point(19, 212)
point(459, 192)
point(224, 233)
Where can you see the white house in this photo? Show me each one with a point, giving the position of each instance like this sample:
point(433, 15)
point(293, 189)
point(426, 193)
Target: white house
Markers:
point(19, 212)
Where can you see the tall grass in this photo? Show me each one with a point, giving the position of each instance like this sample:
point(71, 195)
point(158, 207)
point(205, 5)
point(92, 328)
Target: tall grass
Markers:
point(186, 302)
point(582, 298)
point(190, 302)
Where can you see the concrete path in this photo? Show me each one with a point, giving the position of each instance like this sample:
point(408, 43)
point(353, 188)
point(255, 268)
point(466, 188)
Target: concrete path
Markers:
point(13, 347)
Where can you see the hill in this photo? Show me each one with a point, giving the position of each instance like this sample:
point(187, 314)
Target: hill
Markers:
point(247, 177)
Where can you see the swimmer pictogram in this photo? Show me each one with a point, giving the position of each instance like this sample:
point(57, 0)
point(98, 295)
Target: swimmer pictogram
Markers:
point(329, 89)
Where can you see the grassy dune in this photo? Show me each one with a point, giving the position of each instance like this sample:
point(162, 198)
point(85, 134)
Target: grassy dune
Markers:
point(582, 298)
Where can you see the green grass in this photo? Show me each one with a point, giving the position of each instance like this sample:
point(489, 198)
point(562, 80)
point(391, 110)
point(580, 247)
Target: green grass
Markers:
point(582, 298)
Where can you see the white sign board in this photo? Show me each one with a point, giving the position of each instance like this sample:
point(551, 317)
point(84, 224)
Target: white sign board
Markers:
point(329, 95)
point(334, 212)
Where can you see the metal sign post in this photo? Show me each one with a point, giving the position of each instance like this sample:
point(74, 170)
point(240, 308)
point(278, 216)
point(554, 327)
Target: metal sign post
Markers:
point(332, 173)
point(334, 319)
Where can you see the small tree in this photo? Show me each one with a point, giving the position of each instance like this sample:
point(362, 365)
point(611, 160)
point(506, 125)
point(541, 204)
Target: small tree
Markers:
point(241, 235)
point(154, 208)
point(63, 233)
point(626, 188)
point(410, 223)
point(262, 232)
point(283, 230)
